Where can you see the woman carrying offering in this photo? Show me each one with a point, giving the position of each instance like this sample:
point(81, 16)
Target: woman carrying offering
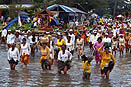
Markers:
point(45, 52)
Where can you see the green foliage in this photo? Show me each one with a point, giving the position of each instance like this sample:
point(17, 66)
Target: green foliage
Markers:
point(15, 26)
point(31, 12)
point(107, 15)
point(98, 4)
point(42, 3)
point(37, 1)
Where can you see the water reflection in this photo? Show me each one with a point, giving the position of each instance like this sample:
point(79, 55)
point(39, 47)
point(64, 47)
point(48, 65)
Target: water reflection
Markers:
point(25, 75)
point(13, 78)
point(46, 79)
point(86, 83)
point(105, 82)
point(64, 80)
point(34, 76)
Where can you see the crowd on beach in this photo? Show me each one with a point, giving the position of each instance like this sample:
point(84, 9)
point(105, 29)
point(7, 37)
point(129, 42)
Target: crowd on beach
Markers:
point(105, 37)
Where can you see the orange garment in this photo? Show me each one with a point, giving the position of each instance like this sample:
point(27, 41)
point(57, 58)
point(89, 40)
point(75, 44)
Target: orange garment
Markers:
point(84, 37)
point(126, 41)
point(50, 61)
point(75, 32)
point(43, 57)
point(25, 59)
point(127, 37)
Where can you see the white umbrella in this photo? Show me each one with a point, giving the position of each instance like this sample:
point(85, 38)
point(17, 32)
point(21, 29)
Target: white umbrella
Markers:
point(119, 16)
point(19, 21)
point(94, 15)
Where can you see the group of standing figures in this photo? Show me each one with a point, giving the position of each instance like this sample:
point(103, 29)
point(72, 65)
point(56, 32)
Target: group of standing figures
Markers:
point(58, 47)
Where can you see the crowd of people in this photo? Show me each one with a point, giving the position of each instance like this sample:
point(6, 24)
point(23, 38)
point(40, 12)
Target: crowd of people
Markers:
point(104, 38)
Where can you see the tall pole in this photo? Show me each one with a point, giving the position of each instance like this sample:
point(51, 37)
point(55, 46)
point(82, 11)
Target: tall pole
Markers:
point(114, 12)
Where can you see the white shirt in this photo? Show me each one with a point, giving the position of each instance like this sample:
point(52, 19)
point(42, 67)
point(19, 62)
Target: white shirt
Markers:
point(114, 32)
point(102, 28)
point(51, 52)
point(25, 49)
point(130, 41)
point(72, 40)
point(114, 43)
point(93, 39)
point(108, 40)
point(18, 40)
point(125, 26)
point(80, 43)
point(28, 20)
point(117, 30)
point(30, 39)
point(65, 38)
point(39, 20)
point(10, 38)
point(99, 34)
point(122, 41)
point(72, 37)
point(4, 33)
point(91, 36)
point(64, 57)
point(13, 54)
point(69, 46)
point(21, 37)
point(35, 24)
point(40, 37)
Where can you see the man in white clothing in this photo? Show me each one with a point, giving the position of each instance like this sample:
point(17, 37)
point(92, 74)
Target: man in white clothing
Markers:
point(10, 39)
point(93, 38)
point(114, 31)
point(72, 39)
point(13, 56)
point(3, 35)
point(107, 41)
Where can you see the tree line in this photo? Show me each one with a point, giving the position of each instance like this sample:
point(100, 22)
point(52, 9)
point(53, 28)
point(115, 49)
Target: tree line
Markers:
point(101, 7)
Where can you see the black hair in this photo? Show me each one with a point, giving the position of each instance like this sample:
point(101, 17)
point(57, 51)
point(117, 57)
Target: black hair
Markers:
point(99, 38)
point(69, 37)
point(79, 36)
point(84, 58)
point(24, 39)
point(89, 58)
point(13, 44)
point(100, 23)
point(106, 47)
